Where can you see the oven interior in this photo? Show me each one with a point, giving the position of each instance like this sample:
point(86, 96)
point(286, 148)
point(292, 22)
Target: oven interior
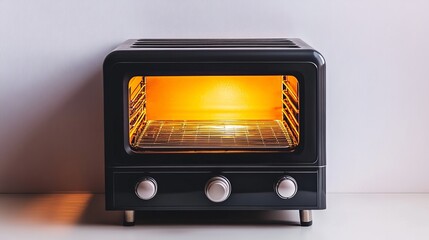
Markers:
point(214, 112)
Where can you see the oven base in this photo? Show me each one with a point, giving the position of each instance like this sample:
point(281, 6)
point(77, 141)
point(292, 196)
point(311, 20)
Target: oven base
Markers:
point(305, 218)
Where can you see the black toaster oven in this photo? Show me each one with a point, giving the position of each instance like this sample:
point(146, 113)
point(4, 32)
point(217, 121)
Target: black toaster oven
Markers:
point(214, 124)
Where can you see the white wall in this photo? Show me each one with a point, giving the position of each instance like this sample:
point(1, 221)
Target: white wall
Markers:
point(51, 99)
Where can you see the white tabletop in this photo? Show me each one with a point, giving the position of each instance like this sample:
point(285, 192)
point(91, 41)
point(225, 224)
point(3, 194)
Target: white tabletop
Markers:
point(82, 216)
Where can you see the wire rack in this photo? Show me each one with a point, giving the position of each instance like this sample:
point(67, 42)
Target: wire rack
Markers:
point(215, 134)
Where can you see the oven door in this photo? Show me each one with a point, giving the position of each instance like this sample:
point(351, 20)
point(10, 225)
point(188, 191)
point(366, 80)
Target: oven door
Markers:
point(213, 114)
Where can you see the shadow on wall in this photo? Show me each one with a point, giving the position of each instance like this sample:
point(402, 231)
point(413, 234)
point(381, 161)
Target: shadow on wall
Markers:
point(64, 150)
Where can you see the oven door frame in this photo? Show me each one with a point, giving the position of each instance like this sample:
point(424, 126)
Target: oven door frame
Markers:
point(118, 153)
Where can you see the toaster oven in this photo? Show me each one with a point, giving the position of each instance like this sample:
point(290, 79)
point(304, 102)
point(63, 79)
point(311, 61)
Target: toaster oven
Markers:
point(214, 124)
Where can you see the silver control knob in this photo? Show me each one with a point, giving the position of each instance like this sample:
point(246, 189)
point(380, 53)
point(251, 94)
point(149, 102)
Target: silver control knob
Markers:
point(286, 187)
point(146, 188)
point(218, 189)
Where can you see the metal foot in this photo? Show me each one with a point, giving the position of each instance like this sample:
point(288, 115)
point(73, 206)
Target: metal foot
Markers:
point(129, 218)
point(305, 217)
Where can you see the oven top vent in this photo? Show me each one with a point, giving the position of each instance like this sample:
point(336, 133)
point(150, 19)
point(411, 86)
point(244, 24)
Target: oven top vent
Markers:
point(215, 43)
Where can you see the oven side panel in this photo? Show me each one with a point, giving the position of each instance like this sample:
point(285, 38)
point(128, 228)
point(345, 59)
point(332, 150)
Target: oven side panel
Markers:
point(320, 62)
point(112, 96)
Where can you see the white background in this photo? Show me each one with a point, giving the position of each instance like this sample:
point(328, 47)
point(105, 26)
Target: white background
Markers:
point(51, 55)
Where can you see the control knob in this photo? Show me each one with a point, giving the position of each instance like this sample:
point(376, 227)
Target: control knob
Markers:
point(146, 188)
point(286, 187)
point(218, 189)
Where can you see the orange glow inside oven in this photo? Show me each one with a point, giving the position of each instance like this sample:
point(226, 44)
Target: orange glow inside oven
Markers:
point(214, 97)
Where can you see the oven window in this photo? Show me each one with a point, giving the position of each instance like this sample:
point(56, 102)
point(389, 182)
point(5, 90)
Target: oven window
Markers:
point(213, 112)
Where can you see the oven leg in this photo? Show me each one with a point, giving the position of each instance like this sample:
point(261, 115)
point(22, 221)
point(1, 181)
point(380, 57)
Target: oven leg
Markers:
point(129, 218)
point(305, 218)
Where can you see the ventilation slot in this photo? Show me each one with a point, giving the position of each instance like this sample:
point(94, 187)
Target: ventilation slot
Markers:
point(214, 43)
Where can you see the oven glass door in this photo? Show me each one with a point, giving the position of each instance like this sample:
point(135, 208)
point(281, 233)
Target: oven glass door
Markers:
point(209, 113)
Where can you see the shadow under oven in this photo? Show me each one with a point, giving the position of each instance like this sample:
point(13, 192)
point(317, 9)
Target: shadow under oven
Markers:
point(214, 124)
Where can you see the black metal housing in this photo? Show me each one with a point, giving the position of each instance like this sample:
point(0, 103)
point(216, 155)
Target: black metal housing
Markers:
point(182, 175)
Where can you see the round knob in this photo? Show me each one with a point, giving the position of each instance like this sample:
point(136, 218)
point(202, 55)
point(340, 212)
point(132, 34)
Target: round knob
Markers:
point(286, 187)
point(146, 188)
point(218, 189)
